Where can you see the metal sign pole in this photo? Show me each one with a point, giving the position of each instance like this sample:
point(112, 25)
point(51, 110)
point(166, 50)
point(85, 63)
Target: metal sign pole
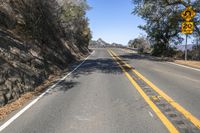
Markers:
point(187, 27)
point(186, 49)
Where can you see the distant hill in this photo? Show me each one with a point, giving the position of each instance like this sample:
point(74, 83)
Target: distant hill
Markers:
point(116, 45)
point(101, 43)
point(98, 43)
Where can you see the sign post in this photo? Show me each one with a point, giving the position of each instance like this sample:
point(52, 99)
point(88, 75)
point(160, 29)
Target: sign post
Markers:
point(186, 49)
point(187, 27)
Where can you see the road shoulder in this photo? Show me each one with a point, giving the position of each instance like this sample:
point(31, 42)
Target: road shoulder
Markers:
point(191, 64)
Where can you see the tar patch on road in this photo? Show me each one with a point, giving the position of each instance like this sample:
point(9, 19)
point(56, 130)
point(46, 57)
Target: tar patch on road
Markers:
point(178, 120)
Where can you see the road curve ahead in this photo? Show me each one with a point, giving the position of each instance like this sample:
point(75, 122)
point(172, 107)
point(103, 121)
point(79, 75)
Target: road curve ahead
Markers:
point(105, 95)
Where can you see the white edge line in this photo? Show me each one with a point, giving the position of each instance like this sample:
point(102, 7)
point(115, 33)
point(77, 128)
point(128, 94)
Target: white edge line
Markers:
point(7, 123)
point(150, 114)
point(184, 66)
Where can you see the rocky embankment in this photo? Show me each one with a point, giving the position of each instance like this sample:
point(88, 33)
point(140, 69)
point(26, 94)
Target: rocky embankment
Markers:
point(33, 45)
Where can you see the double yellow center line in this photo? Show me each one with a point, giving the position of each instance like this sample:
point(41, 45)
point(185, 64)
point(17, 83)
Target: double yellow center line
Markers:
point(163, 118)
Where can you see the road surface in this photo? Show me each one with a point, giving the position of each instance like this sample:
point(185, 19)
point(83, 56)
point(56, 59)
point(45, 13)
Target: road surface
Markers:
point(101, 96)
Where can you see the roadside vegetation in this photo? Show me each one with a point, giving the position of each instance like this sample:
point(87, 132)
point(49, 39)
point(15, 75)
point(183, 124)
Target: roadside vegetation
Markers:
point(140, 43)
point(38, 39)
point(163, 26)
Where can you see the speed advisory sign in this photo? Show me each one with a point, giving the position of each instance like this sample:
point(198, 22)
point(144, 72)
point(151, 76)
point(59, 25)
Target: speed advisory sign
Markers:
point(187, 27)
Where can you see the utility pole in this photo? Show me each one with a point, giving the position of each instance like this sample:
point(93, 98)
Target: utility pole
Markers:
point(186, 49)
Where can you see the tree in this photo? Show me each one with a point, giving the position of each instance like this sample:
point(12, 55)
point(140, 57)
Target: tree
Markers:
point(141, 43)
point(75, 24)
point(163, 22)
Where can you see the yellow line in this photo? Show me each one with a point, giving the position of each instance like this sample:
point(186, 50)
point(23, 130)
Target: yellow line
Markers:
point(186, 113)
point(178, 107)
point(162, 117)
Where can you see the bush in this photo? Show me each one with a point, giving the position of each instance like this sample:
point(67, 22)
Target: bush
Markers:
point(141, 44)
point(163, 50)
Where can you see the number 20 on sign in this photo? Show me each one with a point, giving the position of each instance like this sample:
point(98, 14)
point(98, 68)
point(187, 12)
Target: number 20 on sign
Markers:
point(187, 27)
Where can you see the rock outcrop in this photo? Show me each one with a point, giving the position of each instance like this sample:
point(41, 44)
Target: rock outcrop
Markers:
point(33, 45)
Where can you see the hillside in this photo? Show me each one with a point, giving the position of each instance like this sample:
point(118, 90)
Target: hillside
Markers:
point(101, 43)
point(98, 43)
point(38, 38)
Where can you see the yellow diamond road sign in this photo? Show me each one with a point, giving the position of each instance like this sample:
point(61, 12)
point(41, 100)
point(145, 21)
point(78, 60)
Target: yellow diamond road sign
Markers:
point(188, 14)
point(187, 27)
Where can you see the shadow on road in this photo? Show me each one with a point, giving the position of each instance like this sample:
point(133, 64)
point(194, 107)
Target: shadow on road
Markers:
point(63, 86)
point(101, 65)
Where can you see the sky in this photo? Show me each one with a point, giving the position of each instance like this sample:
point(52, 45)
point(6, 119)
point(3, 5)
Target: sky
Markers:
point(112, 21)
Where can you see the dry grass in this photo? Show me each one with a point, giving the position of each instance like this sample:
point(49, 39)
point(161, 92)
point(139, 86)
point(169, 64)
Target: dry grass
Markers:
point(195, 64)
point(9, 108)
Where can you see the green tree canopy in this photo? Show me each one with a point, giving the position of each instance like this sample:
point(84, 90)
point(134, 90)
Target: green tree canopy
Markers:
point(163, 21)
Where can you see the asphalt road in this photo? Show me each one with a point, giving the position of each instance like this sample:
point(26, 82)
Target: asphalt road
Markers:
point(182, 84)
point(99, 98)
